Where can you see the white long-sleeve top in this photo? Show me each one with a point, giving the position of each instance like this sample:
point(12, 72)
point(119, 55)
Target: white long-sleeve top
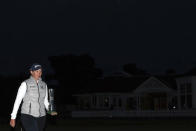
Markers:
point(20, 95)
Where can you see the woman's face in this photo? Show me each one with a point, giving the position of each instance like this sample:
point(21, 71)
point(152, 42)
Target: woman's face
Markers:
point(36, 74)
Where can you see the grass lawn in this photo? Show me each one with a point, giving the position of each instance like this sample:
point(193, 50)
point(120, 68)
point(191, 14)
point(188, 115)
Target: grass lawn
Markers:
point(119, 125)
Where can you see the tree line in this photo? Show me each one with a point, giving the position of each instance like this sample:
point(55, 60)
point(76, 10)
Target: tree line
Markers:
point(72, 72)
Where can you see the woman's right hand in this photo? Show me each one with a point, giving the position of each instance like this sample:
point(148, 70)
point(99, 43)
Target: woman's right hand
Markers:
point(12, 123)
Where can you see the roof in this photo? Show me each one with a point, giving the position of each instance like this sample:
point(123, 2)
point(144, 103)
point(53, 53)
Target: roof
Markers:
point(122, 84)
point(168, 81)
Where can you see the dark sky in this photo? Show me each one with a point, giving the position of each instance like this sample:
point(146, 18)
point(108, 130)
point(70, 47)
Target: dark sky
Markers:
point(154, 34)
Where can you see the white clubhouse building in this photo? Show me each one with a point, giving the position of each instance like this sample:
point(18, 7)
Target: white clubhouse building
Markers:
point(138, 96)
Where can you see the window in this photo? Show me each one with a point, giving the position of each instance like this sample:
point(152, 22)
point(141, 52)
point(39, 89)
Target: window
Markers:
point(94, 100)
point(119, 102)
point(106, 101)
point(101, 101)
point(186, 95)
point(189, 101)
point(182, 88)
point(189, 88)
point(114, 101)
point(183, 104)
point(131, 103)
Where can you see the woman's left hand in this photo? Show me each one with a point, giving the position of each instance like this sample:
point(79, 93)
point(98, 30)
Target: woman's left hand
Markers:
point(54, 113)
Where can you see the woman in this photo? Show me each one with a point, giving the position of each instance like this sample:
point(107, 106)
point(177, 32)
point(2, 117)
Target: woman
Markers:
point(34, 94)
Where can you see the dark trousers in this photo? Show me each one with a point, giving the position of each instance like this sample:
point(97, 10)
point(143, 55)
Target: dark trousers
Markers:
point(30, 123)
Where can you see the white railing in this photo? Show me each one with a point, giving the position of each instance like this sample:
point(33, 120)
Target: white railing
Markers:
point(112, 114)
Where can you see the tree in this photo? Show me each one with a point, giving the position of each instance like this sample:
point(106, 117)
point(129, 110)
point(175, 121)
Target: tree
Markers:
point(132, 69)
point(73, 72)
point(170, 71)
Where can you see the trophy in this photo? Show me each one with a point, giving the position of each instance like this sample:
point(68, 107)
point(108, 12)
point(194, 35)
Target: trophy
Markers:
point(52, 108)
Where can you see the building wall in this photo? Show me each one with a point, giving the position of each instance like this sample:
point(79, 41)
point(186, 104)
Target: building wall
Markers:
point(186, 87)
point(151, 95)
point(194, 92)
